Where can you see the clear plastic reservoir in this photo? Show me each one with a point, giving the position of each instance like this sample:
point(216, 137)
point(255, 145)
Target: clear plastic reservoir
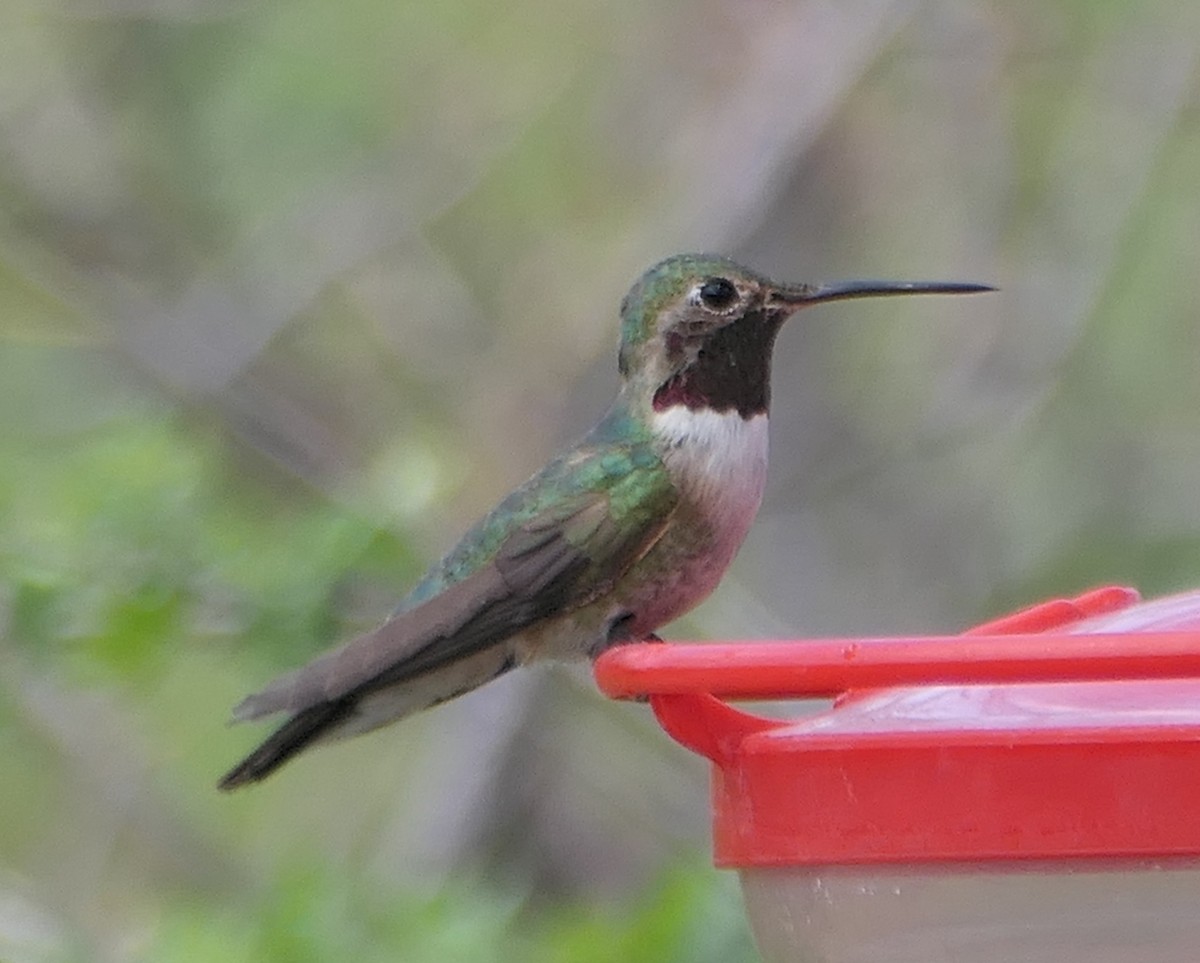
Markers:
point(1124, 911)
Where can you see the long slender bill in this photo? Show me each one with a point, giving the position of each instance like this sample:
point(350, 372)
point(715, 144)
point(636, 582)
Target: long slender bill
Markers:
point(802, 294)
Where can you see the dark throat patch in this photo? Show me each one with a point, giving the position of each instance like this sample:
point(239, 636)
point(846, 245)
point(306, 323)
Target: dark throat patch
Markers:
point(732, 371)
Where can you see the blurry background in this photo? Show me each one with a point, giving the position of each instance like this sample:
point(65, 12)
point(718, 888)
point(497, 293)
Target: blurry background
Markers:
point(291, 291)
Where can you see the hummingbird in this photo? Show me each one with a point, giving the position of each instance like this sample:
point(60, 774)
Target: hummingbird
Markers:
point(618, 535)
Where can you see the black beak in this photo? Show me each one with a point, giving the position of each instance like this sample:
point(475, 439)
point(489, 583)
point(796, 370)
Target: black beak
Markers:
point(799, 295)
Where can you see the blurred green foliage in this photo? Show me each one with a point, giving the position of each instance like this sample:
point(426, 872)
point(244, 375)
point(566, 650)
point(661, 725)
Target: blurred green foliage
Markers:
point(289, 293)
point(319, 915)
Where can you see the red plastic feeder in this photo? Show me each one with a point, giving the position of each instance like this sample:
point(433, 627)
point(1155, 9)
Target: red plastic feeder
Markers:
point(1028, 791)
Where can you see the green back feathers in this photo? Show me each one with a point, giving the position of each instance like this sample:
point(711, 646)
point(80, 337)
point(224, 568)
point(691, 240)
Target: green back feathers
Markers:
point(615, 464)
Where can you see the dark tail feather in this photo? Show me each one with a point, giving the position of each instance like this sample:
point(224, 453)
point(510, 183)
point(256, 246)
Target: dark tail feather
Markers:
point(295, 734)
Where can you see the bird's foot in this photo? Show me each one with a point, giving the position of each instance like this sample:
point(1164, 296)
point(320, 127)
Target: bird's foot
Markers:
point(649, 638)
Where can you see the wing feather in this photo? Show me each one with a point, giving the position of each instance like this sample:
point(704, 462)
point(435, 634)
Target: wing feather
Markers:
point(553, 561)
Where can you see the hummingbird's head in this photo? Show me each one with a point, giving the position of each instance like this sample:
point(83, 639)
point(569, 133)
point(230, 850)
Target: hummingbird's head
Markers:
point(698, 329)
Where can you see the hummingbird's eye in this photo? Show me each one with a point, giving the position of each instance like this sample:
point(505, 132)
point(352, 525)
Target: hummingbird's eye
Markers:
point(719, 294)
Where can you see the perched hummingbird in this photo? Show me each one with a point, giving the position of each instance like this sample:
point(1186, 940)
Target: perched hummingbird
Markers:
point(618, 535)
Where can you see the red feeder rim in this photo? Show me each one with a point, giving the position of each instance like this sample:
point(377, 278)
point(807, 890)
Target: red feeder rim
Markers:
point(1069, 729)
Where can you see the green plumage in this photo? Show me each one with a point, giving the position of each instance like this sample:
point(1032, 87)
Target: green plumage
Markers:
point(615, 464)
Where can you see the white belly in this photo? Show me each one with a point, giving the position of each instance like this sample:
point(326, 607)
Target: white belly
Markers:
point(719, 462)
